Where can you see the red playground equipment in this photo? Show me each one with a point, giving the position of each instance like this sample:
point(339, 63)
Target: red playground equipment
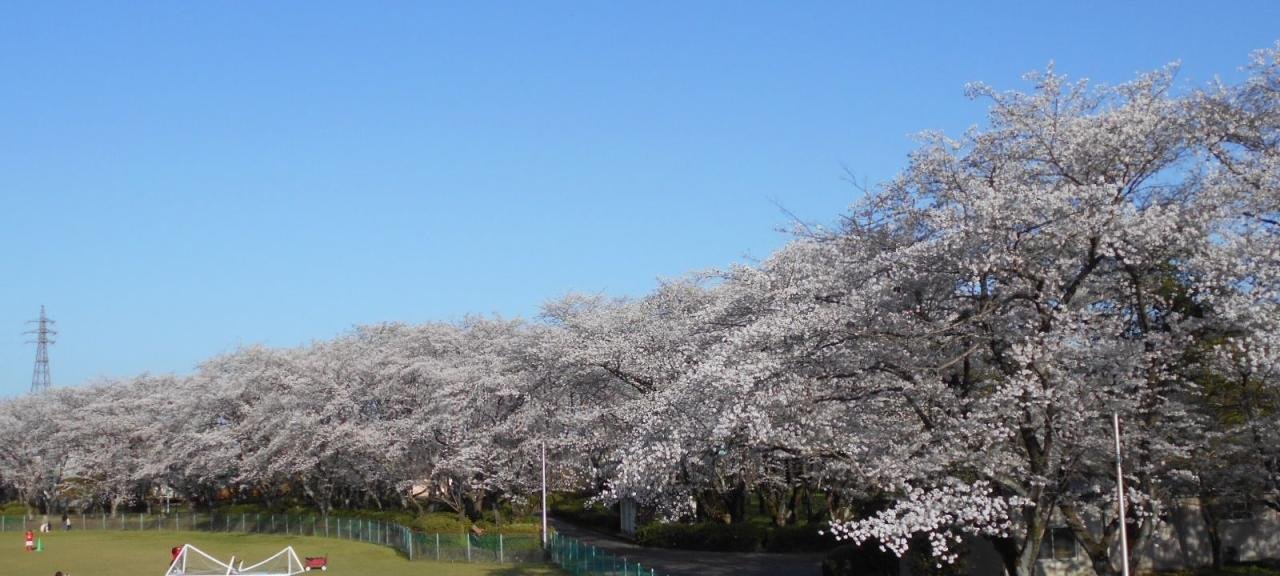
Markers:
point(316, 562)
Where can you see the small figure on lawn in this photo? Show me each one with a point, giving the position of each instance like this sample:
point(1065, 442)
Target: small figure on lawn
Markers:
point(66, 522)
point(31, 541)
point(176, 552)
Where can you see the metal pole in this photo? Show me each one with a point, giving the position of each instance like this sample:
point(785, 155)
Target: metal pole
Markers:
point(544, 495)
point(1124, 537)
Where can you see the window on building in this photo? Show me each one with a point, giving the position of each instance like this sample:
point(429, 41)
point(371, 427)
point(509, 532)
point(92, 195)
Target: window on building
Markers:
point(1059, 544)
point(1236, 510)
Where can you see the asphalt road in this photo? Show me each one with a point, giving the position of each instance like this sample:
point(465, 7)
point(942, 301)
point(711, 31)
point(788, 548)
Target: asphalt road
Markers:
point(698, 563)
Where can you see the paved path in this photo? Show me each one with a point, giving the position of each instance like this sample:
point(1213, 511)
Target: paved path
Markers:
point(698, 563)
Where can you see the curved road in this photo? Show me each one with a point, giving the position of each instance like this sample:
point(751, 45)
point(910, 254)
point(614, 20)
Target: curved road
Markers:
point(698, 563)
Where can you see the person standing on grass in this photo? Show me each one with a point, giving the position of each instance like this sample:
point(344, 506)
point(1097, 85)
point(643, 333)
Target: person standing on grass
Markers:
point(31, 541)
point(66, 522)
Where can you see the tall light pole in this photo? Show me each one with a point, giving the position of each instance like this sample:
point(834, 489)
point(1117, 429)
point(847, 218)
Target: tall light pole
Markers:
point(1124, 536)
point(544, 494)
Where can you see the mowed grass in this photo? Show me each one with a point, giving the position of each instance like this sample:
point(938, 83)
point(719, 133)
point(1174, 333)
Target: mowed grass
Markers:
point(92, 553)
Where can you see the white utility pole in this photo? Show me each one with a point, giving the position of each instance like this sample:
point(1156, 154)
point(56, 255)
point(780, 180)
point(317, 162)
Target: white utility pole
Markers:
point(1124, 536)
point(544, 494)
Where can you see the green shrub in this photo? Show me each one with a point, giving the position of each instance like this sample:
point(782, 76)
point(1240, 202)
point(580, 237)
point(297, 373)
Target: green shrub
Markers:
point(703, 536)
point(860, 560)
point(427, 522)
point(13, 509)
point(440, 522)
point(573, 508)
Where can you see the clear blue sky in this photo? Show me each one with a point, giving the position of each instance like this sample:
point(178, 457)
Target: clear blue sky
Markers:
point(181, 178)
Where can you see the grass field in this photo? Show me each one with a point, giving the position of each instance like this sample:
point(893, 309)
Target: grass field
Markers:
point(93, 553)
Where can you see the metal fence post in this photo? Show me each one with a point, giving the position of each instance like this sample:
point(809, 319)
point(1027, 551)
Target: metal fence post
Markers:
point(500, 551)
point(437, 546)
point(468, 537)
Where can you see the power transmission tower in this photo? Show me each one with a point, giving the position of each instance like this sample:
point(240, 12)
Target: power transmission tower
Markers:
point(40, 375)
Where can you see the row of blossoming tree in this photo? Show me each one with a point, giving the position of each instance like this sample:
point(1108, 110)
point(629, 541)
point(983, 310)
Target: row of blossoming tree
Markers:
point(945, 362)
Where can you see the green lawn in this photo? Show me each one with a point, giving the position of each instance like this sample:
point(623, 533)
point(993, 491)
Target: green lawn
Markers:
point(92, 553)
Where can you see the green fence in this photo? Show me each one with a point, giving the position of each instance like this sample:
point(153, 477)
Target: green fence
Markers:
point(455, 547)
point(582, 560)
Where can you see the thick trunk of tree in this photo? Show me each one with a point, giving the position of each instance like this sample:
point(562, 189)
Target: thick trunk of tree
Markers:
point(775, 503)
point(1209, 513)
point(737, 503)
point(1095, 548)
point(1037, 520)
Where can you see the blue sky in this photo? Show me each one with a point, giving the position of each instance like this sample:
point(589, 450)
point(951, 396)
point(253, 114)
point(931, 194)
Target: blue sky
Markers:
point(178, 179)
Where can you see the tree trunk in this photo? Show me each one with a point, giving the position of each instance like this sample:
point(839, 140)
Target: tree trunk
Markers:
point(1096, 548)
point(1037, 520)
point(737, 503)
point(1209, 513)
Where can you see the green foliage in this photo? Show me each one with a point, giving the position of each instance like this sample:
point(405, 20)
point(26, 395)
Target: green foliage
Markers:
point(575, 509)
point(522, 527)
point(703, 536)
point(1260, 568)
point(860, 560)
point(427, 522)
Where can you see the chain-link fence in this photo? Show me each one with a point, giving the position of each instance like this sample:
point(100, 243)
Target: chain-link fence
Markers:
point(454, 547)
point(582, 560)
